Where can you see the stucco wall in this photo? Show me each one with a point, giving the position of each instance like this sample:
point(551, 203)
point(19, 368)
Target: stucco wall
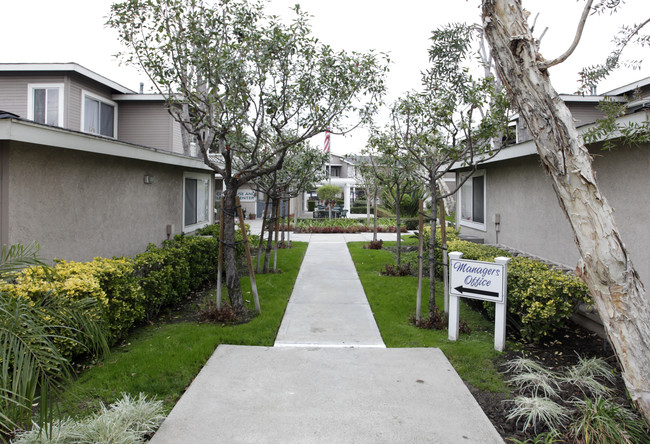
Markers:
point(82, 205)
point(531, 218)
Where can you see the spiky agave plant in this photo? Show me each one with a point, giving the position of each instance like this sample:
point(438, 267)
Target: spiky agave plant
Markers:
point(31, 366)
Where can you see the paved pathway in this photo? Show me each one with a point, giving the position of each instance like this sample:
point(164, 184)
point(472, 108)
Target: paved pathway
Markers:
point(328, 307)
point(329, 378)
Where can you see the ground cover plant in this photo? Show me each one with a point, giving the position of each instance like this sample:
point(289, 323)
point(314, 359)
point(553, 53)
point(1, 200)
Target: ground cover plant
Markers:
point(160, 360)
point(575, 404)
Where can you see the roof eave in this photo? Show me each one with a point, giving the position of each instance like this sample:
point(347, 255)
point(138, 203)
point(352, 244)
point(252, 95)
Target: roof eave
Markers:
point(19, 130)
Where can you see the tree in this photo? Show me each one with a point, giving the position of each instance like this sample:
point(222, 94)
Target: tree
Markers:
point(392, 168)
point(328, 193)
point(456, 119)
point(606, 266)
point(246, 87)
point(300, 172)
point(364, 173)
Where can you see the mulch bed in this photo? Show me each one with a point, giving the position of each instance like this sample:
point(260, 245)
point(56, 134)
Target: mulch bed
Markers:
point(557, 354)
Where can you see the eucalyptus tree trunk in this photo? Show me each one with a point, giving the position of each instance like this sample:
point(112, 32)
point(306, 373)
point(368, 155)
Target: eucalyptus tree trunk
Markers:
point(230, 255)
point(606, 267)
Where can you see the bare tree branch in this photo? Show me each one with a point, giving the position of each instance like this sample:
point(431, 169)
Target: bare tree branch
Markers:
point(576, 40)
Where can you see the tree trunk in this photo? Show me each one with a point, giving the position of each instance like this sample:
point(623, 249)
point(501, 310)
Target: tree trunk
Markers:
point(260, 247)
point(432, 247)
point(399, 225)
point(230, 255)
point(374, 229)
point(367, 206)
point(606, 267)
point(269, 242)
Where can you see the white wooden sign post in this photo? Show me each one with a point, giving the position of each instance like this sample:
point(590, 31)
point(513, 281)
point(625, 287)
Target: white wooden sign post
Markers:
point(487, 281)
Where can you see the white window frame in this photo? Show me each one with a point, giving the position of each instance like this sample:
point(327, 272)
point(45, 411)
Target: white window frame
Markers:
point(31, 87)
point(100, 99)
point(210, 202)
point(459, 211)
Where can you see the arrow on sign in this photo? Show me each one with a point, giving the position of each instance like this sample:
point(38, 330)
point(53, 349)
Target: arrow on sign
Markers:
point(462, 290)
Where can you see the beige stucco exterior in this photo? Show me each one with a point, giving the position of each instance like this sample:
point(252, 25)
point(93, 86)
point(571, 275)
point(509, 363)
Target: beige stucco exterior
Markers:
point(530, 216)
point(79, 205)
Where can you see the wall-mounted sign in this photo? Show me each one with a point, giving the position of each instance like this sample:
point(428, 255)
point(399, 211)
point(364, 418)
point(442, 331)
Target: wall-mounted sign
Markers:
point(244, 195)
point(476, 279)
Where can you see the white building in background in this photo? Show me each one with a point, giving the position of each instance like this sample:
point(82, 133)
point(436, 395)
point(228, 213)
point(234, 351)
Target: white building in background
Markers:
point(343, 175)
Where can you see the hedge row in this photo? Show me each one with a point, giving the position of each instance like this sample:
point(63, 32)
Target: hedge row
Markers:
point(128, 290)
point(541, 299)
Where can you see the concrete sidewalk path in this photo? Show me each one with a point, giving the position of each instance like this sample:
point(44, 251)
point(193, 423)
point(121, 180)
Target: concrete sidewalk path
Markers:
point(328, 307)
point(329, 377)
point(333, 395)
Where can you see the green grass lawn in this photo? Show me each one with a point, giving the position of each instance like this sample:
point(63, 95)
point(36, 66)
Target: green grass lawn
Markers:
point(162, 360)
point(393, 301)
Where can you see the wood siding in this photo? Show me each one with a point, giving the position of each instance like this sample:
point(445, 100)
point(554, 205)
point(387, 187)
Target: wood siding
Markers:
point(145, 123)
point(14, 91)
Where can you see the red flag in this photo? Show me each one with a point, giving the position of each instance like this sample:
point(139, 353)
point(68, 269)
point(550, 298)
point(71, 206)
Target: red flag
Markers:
point(327, 142)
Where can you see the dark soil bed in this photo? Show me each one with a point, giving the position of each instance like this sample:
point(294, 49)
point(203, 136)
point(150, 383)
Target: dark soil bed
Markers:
point(557, 354)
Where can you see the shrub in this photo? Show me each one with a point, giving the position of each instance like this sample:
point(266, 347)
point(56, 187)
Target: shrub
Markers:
point(394, 270)
point(164, 274)
point(412, 223)
point(376, 245)
point(110, 282)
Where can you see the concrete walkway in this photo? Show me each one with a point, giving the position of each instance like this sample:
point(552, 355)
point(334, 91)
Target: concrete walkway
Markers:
point(329, 377)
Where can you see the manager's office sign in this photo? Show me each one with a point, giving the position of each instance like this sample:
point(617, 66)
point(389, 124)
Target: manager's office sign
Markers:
point(477, 279)
point(487, 281)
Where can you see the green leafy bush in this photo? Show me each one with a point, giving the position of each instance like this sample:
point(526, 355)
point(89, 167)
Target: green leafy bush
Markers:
point(164, 275)
point(412, 223)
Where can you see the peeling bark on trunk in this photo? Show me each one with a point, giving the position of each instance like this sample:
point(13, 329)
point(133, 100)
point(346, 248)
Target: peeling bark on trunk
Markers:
point(606, 267)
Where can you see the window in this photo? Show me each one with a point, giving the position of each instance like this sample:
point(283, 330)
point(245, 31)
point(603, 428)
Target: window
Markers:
point(196, 207)
point(46, 104)
point(98, 115)
point(472, 200)
point(336, 171)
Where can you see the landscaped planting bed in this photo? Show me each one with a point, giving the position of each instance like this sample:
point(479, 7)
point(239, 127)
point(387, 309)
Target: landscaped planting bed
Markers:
point(384, 225)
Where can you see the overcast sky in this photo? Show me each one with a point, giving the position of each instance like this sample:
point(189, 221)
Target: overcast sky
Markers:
point(40, 31)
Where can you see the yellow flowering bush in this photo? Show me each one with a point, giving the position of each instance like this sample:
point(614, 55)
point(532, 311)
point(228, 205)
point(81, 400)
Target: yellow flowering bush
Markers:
point(110, 282)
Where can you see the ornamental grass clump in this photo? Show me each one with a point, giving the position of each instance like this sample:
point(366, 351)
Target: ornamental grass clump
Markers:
point(536, 410)
point(546, 400)
point(602, 420)
point(127, 421)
